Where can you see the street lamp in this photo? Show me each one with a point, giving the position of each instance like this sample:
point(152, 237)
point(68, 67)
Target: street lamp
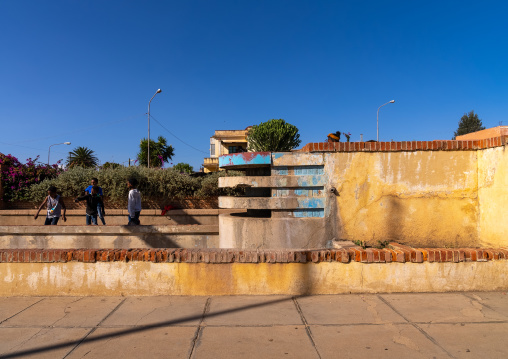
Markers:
point(56, 144)
point(392, 101)
point(148, 159)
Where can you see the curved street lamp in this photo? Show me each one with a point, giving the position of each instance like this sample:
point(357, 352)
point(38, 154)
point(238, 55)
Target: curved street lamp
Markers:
point(148, 159)
point(56, 144)
point(392, 101)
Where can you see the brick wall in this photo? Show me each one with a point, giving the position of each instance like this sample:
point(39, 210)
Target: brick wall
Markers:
point(451, 145)
point(395, 253)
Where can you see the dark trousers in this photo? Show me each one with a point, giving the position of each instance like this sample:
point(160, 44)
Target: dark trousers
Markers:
point(134, 221)
point(91, 219)
point(51, 221)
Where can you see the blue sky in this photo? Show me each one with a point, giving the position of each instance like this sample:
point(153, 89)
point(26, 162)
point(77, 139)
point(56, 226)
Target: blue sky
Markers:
point(84, 71)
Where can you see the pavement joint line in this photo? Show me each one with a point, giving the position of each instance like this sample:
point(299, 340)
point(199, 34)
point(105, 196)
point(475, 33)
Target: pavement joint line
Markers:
point(307, 328)
point(252, 325)
point(467, 295)
point(199, 329)
point(428, 336)
point(21, 311)
point(95, 328)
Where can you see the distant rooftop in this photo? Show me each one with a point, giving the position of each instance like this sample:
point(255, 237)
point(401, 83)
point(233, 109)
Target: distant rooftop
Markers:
point(484, 134)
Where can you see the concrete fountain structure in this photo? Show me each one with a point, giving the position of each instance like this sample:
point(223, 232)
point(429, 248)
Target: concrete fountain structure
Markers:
point(421, 193)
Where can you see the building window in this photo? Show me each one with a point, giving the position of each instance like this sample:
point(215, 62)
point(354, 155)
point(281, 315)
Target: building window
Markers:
point(212, 150)
point(235, 149)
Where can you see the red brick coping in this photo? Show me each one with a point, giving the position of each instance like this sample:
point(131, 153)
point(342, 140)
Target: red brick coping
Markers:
point(396, 253)
point(451, 145)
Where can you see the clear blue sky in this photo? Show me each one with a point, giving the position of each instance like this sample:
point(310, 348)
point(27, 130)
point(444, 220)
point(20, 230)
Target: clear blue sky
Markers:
point(84, 71)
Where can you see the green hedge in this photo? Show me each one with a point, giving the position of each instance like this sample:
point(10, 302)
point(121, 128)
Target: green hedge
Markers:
point(153, 183)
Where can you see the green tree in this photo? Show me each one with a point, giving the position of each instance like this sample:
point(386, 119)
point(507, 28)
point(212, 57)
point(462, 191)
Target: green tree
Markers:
point(469, 123)
point(112, 165)
point(183, 168)
point(274, 135)
point(160, 152)
point(82, 157)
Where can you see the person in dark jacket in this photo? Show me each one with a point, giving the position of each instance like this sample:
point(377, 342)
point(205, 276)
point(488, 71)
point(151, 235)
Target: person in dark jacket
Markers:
point(93, 199)
point(100, 211)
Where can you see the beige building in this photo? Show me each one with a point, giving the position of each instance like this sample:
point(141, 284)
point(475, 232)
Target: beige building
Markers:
point(224, 142)
point(484, 134)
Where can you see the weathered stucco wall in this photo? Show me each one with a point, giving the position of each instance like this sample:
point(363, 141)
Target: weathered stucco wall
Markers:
point(423, 198)
point(493, 196)
point(145, 278)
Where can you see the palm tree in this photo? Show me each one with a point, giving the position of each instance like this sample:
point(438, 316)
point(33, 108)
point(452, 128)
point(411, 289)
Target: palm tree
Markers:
point(160, 152)
point(82, 157)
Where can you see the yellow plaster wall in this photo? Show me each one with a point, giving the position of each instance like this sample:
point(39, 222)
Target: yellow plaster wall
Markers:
point(145, 278)
point(422, 198)
point(493, 195)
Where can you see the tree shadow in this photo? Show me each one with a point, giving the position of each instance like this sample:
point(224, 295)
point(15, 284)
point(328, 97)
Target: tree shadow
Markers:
point(75, 343)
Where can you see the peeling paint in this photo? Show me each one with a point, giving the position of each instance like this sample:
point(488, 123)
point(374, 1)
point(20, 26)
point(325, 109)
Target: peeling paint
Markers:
point(245, 159)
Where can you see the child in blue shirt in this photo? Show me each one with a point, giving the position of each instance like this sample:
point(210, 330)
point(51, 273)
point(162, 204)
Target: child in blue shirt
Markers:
point(100, 206)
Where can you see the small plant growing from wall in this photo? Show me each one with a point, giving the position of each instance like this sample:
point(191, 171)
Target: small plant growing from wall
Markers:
point(273, 136)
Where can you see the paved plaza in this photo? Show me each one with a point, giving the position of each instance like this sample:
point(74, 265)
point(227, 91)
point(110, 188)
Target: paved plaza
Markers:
point(429, 325)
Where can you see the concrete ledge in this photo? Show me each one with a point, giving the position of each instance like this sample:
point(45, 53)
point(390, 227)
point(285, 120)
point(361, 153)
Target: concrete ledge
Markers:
point(58, 237)
point(272, 181)
point(116, 217)
point(271, 202)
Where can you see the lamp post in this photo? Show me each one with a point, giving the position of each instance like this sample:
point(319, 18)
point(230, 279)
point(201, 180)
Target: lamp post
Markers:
point(148, 159)
point(56, 144)
point(392, 101)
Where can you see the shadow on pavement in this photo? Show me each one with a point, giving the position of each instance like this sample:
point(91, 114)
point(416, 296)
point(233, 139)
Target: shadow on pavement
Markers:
point(47, 348)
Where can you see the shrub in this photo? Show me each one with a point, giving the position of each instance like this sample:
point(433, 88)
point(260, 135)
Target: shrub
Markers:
point(210, 185)
point(153, 182)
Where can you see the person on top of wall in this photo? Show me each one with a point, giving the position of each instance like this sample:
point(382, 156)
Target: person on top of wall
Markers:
point(334, 137)
point(134, 202)
point(94, 204)
point(100, 206)
point(55, 204)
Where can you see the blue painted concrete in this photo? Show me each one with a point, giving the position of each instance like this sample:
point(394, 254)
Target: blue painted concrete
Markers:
point(245, 159)
point(309, 170)
point(309, 202)
point(309, 213)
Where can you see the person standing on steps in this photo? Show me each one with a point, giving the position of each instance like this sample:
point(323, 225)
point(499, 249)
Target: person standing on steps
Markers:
point(55, 204)
point(100, 205)
point(93, 205)
point(134, 202)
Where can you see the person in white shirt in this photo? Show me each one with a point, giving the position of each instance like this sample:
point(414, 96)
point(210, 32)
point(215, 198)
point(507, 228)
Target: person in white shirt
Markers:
point(134, 202)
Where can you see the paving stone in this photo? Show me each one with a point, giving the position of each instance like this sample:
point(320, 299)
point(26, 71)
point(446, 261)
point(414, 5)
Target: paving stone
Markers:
point(472, 340)
point(65, 312)
point(168, 342)
point(347, 309)
point(441, 308)
point(498, 301)
point(175, 310)
point(374, 341)
point(289, 341)
point(13, 305)
point(40, 341)
point(252, 310)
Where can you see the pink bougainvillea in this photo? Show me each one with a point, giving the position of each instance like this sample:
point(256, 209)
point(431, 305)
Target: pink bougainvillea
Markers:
point(17, 176)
